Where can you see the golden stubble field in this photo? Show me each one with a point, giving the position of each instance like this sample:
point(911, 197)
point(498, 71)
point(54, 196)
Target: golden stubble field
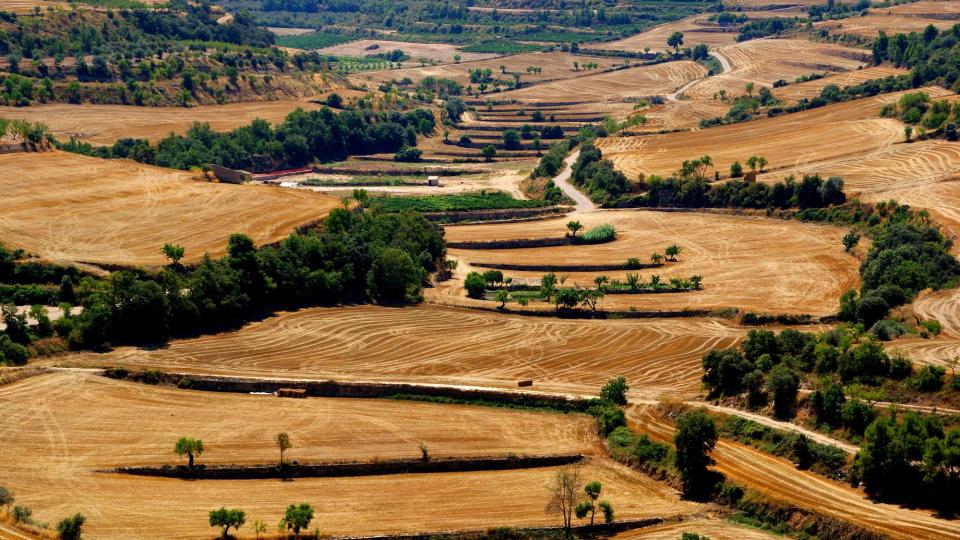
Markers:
point(62, 429)
point(751, 263)
point(912, 17)
point(70, 208)
point(436, 52)
point(104, 124)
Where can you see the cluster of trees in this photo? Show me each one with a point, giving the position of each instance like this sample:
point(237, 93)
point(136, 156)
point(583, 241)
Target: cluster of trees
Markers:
point(597, 176)
point(765, 27)
point(909, 253)
point(68, 528)
point(744, 107)
point(911, 460)
point(931, 56)
point(570, 497)
point(296, 518)
point(301, 138)
point(686, 191)
point(915, 108)
point(355, 257)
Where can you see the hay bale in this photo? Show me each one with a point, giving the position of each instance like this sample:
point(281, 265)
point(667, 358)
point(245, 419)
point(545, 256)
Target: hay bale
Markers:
point(525, 382)
point(291, 392)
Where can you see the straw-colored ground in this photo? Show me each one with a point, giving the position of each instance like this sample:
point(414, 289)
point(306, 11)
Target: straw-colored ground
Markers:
point(710, 527)
point(71, 208)
point(751, 263)
point(810, 89)
point(658, 357)
point(61, 429)
point(801, 140)
point(555, 65)
point(910, 17)
point(104, 124)
point(436, 52)
point(695, 29)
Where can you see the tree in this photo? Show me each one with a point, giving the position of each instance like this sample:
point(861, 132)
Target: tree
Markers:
point(736, 170)
point(749, 88)
point(574, 227)
point(656, 258)
point(394, 277)
point(259, 527)
point(511, 140)
point(907, 133)
point(174, 252)
point(607, 510)
point(538, 146)
point(672, 251)
point(850, 240)
point(502, 296)
point(475, 285)
point(226, 518)
point(548, 286)
point(675, 40)
point(589, 505)
point(283, 443)
point(565, 494)
point(783, 383)
point(70, 528)
point(6, 497)
point(695, 437)
point(334, 101)
point(298, 517)
point(408, 154)
point(615, 391)
point(190, 447)
point(489, 152)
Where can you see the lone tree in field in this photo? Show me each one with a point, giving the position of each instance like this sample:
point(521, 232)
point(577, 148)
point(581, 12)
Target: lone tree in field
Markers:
point(675, 40)
point(489, 152)
point(226, 518)
point(589, 505)
point(6, 497)
point(574, 226)
point(70, 528)
point(565, 492)
point(283, 443)
point(174, 252)
point(656, 258)
point(298, 517)
point(695, 437)
point(190, 447)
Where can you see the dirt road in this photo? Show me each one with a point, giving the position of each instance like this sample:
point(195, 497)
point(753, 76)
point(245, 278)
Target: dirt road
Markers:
point(562, 181)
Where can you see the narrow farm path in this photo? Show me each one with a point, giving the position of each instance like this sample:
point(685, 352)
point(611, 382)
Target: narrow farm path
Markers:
point(562, 181)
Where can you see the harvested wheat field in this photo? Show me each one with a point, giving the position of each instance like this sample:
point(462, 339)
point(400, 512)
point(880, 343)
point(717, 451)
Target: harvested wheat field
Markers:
point(795, 141)
point(25, 7)
point(70, 208)
point(752, 263)
point(911, 17)
point(435, 52)
point(104, 124)
point(781, 480)
point(944, 306)
point(658, 357)
point(555, 65)
point(613, 86)
point(695, 29)
point(74, 424)
point(765, 61)
point(811, 89)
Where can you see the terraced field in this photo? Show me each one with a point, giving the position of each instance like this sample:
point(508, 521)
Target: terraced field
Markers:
point(912, 17)
point(659, 357)
point(695, 29)
point(71, 208)
point(104, 124)
point(752, 263)
point(800, 141)
point(75, 425)
point(431, 52)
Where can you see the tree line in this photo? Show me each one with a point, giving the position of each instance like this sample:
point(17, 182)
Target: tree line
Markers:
point(303, 137)
point(350, 257)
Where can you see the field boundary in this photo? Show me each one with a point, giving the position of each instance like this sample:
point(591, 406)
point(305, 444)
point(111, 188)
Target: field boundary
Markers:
point(356, 468)
point(565, 267)
point(598, 528)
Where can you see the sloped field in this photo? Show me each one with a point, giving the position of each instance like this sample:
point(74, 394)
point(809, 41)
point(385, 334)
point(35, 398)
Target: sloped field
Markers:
point(71, 208)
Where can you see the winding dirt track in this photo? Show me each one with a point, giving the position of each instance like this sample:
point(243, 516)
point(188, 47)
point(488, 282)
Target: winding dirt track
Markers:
point(72, 208)
point(438, 345)
point(72, 424)
point(781, 480)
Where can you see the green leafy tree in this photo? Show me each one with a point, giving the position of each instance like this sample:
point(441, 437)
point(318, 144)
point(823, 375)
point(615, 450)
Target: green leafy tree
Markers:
point(489, 152)
point(298, 517)
point(475, 285)
point(607, 510)
point(736, 170)
point(71, 528)
point(675, 40)
point(615, 391)
point(850, 240)
point(283, 443)
point(783, 383)
point(589, 504)
point(574, 227)
point(548, 286)
point(174, 252)
point(394, 277)
point(6, 497)
point(189, 447)
point(226, 518)
point(695, 437)
point(672, 251)
point(502, 296)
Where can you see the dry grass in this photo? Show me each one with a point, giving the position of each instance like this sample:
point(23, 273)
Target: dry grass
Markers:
point(802, 140)
point(658, 357)
point(555, 65)
point(72, 208)
point(811, 89)
point(710, 527)
point(755, 264)
point(73, 424)
point(104, 124)
point(695, 29)
point(437, 52)
point(912, 17)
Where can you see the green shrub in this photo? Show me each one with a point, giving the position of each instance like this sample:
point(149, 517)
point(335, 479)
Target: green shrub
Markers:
point(885, 330)
point(599, 235)
point(928, 379)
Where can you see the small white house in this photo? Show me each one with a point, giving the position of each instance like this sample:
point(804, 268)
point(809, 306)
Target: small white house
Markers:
point(433, 181)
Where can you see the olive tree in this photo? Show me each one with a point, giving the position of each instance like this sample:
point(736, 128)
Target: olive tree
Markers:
point(298, 517)
point(189, 447)
point(226, 518)
point(283, 443)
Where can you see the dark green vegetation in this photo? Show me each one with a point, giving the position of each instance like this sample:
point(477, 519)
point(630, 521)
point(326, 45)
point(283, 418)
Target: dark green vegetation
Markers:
point(488, 31)
point(929, 117)
point(350, 257)
point(139, 56)
point(765, 27)
point(484, 200)
point(688, 191)
point(932, 56)
point(597, 176)
point(822, 459)
point(302, 138)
